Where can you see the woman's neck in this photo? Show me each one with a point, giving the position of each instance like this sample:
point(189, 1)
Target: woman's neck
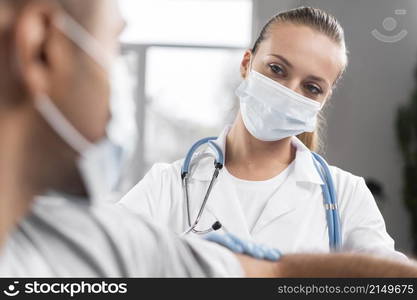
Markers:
point(251, 159)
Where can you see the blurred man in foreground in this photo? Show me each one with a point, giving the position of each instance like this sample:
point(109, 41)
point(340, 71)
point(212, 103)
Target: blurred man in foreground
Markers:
point(54, 112)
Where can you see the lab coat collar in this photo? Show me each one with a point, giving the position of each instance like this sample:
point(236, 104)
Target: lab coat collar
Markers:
point(304, 169)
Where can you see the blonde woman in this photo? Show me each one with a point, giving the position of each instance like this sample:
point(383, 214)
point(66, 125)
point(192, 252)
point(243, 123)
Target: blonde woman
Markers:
point(269, 190)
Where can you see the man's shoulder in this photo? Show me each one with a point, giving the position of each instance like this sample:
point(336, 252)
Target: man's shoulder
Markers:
point(88, 239)
point(83, 218)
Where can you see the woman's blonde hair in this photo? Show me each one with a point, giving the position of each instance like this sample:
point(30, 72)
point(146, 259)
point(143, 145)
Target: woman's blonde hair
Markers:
point(324, 23)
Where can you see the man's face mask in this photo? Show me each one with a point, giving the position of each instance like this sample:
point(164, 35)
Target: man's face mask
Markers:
point(100, 164)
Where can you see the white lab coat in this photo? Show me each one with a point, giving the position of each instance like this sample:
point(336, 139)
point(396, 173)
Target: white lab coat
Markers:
point(294, 219)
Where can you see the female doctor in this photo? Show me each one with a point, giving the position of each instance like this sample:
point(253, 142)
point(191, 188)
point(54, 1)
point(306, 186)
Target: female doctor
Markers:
point(269, 190)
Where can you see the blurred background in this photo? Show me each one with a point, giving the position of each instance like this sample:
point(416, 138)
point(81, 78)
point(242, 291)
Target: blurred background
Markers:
point(183, 60)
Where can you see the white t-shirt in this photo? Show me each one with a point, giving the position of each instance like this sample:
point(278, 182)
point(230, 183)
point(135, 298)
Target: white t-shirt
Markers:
point(254, 195)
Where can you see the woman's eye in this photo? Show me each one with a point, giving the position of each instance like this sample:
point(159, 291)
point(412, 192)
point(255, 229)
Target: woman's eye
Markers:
point(313, 89)
point(277, 69)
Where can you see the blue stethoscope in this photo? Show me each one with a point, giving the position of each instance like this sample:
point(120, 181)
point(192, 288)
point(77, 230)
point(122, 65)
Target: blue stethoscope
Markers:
point(329, 192)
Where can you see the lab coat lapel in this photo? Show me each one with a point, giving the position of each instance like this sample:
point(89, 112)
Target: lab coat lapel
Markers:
point(283, 202)
point(294, 190)
point(225, 206)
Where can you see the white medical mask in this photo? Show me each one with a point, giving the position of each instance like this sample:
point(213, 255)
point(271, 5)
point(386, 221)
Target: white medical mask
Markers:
point(272, 112)
point(100, 164)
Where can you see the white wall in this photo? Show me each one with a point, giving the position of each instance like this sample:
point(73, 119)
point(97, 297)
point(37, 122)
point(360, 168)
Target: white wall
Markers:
point(361, 135)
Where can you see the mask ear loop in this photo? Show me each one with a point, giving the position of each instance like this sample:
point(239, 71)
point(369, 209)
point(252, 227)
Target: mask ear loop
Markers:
point(62, 126)
point(83, 39)
point(45, 106)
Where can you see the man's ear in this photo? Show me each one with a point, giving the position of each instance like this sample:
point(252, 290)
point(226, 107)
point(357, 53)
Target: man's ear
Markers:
point(246, 63)
point(31, 35)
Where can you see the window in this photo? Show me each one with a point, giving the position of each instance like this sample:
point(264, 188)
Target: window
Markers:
point(188, 55)
point(190, 96)
point(201, 22)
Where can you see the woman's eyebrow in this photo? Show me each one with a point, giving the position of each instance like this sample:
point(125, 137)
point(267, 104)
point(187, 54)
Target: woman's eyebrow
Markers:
point(284, 60)
point(316, 78)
